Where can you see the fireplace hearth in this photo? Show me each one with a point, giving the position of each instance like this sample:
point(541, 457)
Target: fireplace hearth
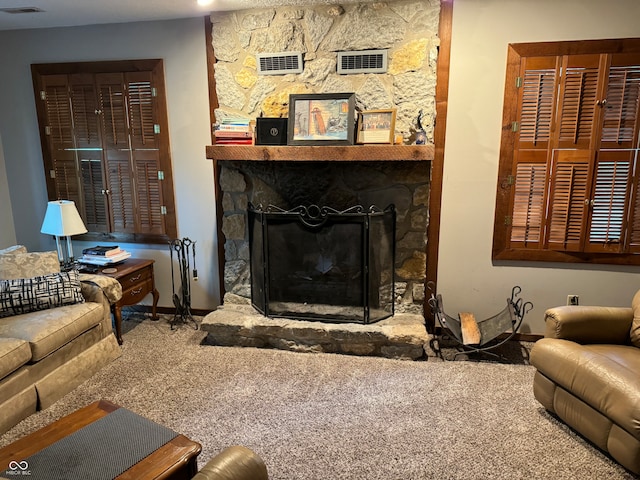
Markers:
point(319, 263)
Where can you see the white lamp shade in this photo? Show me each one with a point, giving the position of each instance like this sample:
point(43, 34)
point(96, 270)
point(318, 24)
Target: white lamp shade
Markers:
point(62, 219)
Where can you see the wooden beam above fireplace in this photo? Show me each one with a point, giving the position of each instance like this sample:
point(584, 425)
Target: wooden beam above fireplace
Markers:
point(321, 153)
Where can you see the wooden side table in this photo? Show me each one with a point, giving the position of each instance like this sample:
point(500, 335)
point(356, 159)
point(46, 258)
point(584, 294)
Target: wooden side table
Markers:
point(136, 277)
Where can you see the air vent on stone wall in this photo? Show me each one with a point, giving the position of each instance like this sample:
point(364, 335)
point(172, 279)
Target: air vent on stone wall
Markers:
point(279, 63)
point(15, 10)
point(364, 61)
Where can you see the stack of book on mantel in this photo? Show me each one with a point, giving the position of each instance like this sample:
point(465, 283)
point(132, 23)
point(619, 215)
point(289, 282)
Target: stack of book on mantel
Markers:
point(101, 255)
point(233, 132)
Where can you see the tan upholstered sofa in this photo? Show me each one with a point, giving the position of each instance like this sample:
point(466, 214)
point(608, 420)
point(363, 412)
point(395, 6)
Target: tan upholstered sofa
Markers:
point(55, 331)
point(588, 374)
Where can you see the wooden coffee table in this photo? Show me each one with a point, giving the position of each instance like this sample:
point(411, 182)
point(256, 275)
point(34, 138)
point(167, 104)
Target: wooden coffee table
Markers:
point(176, 460)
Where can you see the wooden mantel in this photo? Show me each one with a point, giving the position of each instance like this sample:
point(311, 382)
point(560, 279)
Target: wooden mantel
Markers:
point(321, 153)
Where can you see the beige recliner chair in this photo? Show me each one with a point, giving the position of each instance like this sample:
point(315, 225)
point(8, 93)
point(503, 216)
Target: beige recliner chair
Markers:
point(234, 463)
point(588, 374)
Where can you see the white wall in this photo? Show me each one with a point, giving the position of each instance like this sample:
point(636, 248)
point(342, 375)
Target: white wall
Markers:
point(7, 230)
point(482, 29)
point(181, 44)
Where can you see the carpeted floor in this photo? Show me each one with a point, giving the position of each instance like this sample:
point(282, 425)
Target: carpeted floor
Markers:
point(324, 416)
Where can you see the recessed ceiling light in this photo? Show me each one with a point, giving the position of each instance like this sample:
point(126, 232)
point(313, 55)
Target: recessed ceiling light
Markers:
point(204, 3)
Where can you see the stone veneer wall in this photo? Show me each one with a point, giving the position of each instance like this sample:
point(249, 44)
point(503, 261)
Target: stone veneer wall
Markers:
point(408, 29)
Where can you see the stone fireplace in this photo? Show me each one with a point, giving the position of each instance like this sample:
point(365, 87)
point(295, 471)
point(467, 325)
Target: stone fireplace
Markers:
point(339, 186)
point(246, 179)
point(339, 178)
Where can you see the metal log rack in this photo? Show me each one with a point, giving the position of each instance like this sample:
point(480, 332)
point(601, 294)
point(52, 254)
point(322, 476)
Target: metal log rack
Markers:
point(493, 331)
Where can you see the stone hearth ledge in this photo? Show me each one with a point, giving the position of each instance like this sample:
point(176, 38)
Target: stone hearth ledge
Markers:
point(402, 336)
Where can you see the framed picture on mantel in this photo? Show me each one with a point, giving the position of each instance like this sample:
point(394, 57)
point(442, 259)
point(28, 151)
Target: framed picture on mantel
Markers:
point(376, 126)
point(321, 119)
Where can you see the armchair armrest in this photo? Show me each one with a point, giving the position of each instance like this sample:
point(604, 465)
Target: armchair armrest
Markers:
point(234, 463)
point(589, 324)
point(95, 285)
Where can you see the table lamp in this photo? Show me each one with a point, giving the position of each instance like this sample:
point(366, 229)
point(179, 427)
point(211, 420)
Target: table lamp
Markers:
point(63, 220)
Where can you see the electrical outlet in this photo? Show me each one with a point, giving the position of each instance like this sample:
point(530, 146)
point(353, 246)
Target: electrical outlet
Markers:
point(573, 300)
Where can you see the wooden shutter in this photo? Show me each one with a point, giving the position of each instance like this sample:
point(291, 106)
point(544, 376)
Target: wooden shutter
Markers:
point(609, 201)
point(145, 151)
point(88, 141)
point(536, 104)
point(149, 196)
point(621, 111)
point(580, 90)
point(95, 205)
point(528, 204)
point(570, 178)
point(59, 133)
point(575, 123)
point(105, 145)
point(117, 151)
point(573, 157)
point(142, 116)
point(613, 225)
point(86, 124)
point(633, 231)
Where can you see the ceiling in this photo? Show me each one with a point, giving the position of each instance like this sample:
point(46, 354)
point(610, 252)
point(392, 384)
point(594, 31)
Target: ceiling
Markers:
point(64, 13)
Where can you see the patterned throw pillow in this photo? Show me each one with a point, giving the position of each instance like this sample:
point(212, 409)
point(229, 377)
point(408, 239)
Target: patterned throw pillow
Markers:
point(26, 265)
point(25, 295)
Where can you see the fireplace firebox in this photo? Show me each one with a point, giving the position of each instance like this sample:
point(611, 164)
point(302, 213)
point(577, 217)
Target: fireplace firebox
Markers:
point(318, 263)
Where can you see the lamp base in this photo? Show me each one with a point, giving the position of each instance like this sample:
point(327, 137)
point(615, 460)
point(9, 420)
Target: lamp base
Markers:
point(70, 264)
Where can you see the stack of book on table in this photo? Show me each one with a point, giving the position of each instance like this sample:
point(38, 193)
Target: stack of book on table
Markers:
point(233, 132)
point(104, 255)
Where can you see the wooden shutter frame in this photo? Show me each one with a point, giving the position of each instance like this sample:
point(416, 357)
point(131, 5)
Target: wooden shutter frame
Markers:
point(156, 66)
point(502, 250)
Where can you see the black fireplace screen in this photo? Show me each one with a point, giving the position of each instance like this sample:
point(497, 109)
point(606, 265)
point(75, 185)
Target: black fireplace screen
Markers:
point(318, 263)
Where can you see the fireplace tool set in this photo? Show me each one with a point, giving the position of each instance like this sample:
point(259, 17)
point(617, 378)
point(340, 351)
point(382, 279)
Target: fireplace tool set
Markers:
point(186, 260)
point(475, 336)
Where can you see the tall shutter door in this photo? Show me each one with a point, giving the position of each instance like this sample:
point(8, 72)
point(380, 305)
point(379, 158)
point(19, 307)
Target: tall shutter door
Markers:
point(145, 151)
point(615, 216)
point(536, 104)
point(59, 132)
point(568, 200)
point(117, 151)
point(581, 86)
point(86, 121)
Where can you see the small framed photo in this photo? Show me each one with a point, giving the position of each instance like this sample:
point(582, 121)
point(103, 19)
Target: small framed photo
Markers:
point(321, 119)
point(376, 126)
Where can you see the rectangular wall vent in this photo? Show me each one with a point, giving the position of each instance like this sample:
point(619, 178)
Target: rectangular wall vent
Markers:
point(279, 63)
point(21, 10)
point(364, 61)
